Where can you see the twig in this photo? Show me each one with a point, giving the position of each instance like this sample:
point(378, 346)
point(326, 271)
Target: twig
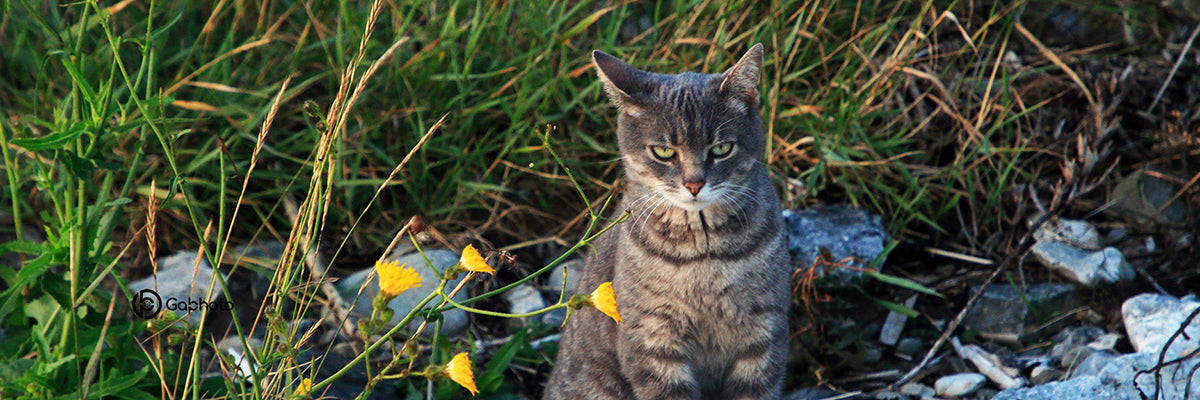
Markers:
point(1179, 61)
point(1162, 355)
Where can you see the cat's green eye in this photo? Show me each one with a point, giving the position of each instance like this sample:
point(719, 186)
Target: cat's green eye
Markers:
point(722, 149)
point(663, 153)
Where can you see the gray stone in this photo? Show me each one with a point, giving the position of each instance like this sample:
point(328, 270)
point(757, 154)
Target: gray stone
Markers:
point(524, 299)
point(554, 284)
point(958, 385)
point(1093, 363)
point(454, 320)
point(1151, 319)
point(267, 250)
point(1141, 195)
point(1070, 346)
point(574, 268)
point(1089, 267)
point(1133, 375)
point(1086, 388)
point(181, 286)
point(242, 359)
point(1076, 233)
point(917, 389)
point(909, 346)
point(1003, 312)
point(872, 355)
point(1128, 377)
point(893, 325)
point(843, 230)
point(1042, 374)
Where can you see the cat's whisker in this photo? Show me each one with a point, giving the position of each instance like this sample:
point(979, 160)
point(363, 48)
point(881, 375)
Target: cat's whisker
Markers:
point(647, 212)
point(722, 125)
point(645, 197)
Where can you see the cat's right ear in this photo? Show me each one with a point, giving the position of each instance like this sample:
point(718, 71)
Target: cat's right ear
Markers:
point(620, 80)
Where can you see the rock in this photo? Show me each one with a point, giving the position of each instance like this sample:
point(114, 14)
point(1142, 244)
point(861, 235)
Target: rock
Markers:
point(871, 355)
point(523, 300)
point(1133, 375)
point(250, 282)
point(181, 286)
point(1002, 312)
point(1070, 346)
point(958, 385)
point(1076, 233)
point(893, 325)
point(1093, 363)
point(454, 320)
point(1128, 377)
point(990, 365)
point(1086, 388)
point(269, 250)
point(843, 230)
point(1042, 374)
point(1089, 267)
point(1151, 319)
point(1140, 195)
point(1107, 341)
point(574, 268)
point(908, 346)
point(242, 358)
point(917, 390)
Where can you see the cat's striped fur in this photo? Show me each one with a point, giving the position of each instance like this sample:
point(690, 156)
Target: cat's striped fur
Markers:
point(699, 269)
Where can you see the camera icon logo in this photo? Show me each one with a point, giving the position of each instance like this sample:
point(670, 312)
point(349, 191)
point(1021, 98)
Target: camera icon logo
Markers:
point(146, 304)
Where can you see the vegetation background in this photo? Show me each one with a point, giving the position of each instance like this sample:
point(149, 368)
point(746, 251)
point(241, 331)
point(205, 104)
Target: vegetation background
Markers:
point(134, 129)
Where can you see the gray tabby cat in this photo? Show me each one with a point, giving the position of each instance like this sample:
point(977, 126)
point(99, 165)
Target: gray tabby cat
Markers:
point(699, 269)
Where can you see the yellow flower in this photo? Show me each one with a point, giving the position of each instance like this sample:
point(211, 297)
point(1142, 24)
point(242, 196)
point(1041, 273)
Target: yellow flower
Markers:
point(459, 370)
point(304, 387)
point(394, 279)
point(605, 300)
point(472, 261)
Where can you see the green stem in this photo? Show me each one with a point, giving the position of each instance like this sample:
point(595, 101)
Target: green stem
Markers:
point(386, 337)
point(587, 241)
point(505, 315)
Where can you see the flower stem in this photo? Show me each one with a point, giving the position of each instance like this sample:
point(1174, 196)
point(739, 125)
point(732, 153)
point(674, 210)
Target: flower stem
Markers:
point(386, 336)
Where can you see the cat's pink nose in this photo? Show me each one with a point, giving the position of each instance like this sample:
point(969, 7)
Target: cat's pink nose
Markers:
point(694, 187)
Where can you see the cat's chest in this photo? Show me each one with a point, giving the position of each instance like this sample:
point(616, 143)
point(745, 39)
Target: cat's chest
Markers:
point(705, 288)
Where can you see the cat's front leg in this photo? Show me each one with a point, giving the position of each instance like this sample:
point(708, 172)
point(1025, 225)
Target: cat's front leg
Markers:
point(655, 360)
point(758, 365)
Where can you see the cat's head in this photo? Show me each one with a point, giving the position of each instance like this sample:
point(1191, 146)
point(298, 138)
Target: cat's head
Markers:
point(695, 139)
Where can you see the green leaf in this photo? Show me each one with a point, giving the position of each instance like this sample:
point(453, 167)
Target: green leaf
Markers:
point(12, 370)
point(22, 247)
point(902, 282)
point(584, 24)
point(43, 310)
point(80, 168)
point(53, 141)
point(899, 308)
point(33, 268)
point(115, 383)
point(505, 354)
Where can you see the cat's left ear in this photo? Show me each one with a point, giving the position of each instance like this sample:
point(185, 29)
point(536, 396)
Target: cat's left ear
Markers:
point(740, 82)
